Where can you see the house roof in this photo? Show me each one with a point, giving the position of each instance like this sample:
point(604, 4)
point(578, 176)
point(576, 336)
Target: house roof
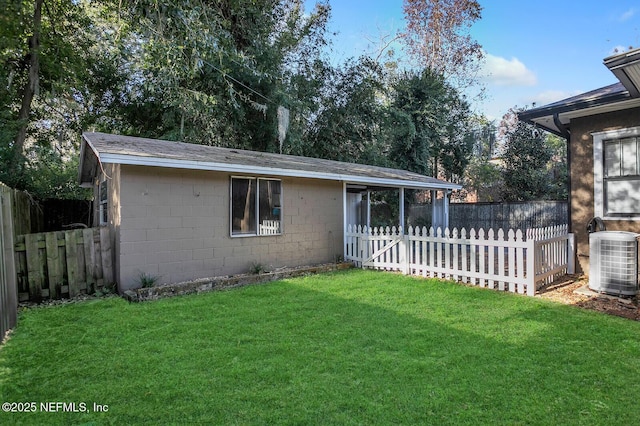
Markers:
point(556, 117)
point(102, 148)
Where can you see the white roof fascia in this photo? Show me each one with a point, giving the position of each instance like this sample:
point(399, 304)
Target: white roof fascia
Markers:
point(240, 168)
point(601, 109)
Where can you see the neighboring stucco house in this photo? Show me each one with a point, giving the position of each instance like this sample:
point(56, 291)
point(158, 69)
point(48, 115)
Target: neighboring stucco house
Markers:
point(185, 211)
point(602, 128)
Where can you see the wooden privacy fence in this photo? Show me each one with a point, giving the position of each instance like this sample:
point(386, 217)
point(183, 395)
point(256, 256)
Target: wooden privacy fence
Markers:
point(8, 297)
point(514, 262)
point(515, 215)
point(56, 264)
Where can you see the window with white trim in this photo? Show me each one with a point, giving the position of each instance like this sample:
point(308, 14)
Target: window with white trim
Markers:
point(103, 202)
point(617, 173)
point(256, 206)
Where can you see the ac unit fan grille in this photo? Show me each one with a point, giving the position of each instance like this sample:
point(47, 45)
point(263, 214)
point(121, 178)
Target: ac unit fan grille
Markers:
point(614, 262)
point(615, 268)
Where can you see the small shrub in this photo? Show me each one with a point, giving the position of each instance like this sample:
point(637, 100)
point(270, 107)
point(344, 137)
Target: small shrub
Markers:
point(106, 290)
point(257, 268)
point(147, 280)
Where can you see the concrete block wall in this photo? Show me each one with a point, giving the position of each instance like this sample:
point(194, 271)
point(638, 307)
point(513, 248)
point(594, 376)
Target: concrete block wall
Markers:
point(174, 224)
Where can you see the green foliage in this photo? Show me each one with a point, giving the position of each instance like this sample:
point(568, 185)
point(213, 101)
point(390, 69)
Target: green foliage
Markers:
point(525, 164)
point(485, 179)
point(558, 170)
point(147, 280)
point(257, 268)
point(428, 126)
point(106, 290)
point(216, 72)
point(212, 72)
point(347, 127)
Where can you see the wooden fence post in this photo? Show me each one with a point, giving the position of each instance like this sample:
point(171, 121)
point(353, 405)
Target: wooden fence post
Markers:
point(54, 265)
point(73, 269)
point(8, 284)
point(89, 259)
point(35, 266)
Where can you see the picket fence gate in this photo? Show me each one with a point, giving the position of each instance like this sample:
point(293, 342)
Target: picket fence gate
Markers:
point(515, 262)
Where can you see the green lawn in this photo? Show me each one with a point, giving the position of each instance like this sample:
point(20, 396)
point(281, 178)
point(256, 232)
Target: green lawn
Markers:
point(352, 347)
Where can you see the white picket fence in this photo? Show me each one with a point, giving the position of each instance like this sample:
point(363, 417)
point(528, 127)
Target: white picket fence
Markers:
point(513, 262)
point(270, 227)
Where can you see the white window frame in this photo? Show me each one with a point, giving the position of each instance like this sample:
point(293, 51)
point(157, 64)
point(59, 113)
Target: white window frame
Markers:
point(258, 233)
point(598, 168)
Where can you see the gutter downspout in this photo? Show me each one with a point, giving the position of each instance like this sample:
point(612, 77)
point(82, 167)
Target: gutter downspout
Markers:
point(567, 135)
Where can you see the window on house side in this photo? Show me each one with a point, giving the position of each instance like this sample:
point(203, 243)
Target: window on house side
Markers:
point(255, 206)
point(621, 177)
point(103, 199)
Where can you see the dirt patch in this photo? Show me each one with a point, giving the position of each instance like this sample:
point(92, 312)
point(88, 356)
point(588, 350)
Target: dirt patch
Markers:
point(573, 290)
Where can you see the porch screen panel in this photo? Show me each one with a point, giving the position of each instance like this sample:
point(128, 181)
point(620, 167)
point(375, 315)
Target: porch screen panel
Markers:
point(243, 206)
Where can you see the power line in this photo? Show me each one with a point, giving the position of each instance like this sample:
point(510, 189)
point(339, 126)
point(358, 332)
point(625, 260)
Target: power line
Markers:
point(226, 75)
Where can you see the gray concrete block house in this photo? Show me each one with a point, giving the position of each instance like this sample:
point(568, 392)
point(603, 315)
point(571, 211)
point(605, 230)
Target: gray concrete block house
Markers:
point(602, 128)
point(185, 211)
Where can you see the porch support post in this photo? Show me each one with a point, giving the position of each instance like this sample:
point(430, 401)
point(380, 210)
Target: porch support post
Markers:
point(344, 220)
point(402, 208)
point(368, 209)
point(445, 207)
point(434, 211)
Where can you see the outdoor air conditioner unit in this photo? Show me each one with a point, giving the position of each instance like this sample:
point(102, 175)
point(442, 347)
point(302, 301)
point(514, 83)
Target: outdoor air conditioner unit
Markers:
point(613, 262)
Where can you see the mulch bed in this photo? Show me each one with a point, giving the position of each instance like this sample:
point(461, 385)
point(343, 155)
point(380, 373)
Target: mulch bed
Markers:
point(564, 291)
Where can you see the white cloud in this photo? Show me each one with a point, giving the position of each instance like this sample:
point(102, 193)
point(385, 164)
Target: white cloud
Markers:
point(627, 15)
point(503, 72)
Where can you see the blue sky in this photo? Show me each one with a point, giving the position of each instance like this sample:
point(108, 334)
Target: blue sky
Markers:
point(539, 51)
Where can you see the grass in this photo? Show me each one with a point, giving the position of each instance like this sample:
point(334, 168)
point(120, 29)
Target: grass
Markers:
point(352, 347)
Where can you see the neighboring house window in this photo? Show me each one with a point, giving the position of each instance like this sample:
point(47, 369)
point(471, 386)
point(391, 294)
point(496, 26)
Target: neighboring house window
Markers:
point(617, 173)
point(256, 206)
point(103, 200)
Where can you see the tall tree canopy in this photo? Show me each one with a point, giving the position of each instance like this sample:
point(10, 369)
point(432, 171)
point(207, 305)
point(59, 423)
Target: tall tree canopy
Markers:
point(525, 159)
point(46, 54)
point(216, 71)
point(429, 128)
point(437, 35)
point(223, 72)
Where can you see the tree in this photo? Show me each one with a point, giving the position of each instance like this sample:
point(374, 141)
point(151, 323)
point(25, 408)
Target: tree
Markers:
point(348, 124)
point(427, 126)
point(482, 176)
point(525, 158)
point(558, 170)
point(437, 37)
point(215, 72)
point(43, 49)
point(534, 162)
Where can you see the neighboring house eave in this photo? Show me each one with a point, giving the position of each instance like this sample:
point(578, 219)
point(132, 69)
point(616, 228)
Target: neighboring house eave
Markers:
point(253, 170)
point(626, 67)
point(556, 117)
point(544, 117)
